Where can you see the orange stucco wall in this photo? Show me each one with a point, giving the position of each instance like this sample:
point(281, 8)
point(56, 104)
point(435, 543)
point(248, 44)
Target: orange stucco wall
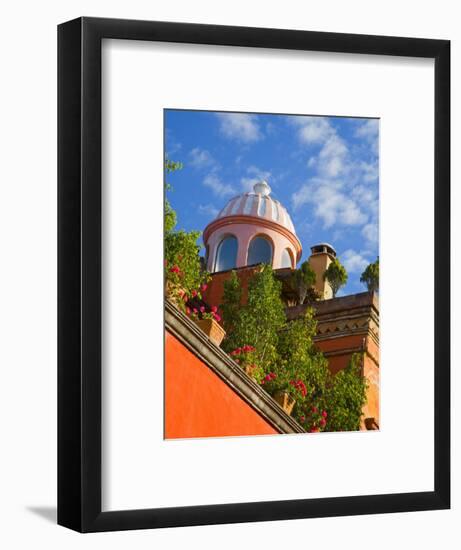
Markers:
point(199, 404)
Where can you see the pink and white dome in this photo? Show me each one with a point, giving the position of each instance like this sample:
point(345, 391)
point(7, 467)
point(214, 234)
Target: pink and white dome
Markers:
point(258, 204)
point(252, 228)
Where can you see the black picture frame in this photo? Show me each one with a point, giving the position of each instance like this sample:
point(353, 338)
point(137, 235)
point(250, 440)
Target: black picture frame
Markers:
point(79, 274)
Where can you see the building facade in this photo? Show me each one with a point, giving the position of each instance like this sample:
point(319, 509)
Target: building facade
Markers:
point(254, 228)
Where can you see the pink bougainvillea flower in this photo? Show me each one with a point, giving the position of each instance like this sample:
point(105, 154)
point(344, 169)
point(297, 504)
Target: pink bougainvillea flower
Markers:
point(214, 309)
point(195, 310)
point(202, 309)
point(217, 317)
point(323, 422)
point(324, 414)
point(203, 287)
point(263, 382)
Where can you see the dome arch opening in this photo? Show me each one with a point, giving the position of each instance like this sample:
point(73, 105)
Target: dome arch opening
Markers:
point(260, 250)
point(226, 253)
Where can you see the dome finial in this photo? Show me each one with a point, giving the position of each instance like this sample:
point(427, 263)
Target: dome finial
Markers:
point(262, 188)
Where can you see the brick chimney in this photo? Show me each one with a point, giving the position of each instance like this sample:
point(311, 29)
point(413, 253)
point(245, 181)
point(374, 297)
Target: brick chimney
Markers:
point(321, 257)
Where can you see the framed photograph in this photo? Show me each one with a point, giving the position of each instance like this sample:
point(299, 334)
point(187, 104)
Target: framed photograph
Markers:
point(254, 242)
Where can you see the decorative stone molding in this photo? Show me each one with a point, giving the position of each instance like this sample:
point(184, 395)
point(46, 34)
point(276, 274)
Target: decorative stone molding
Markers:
point(348, 315)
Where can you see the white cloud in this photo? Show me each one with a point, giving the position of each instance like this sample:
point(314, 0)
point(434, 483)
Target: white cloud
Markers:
point(201, 158)
point(369, 130)
point(208, 210)
point(353, 261)
point(370, 170)
point(343, 191)
point(218, 187)
point(370, 232)
point(333, 157)
point(313, 129)
point(240, 126)
point(330, 203)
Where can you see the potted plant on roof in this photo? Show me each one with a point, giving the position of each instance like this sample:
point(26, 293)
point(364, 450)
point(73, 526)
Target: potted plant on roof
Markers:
point(245, 357)
point(286, 392)
point(208, 321)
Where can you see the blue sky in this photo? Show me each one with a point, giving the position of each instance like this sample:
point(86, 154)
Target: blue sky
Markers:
point(324, 170)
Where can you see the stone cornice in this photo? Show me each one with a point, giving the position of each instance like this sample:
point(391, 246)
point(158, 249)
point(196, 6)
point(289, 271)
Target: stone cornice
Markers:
point(242, 219)
point(188, 333)
point(337, 317)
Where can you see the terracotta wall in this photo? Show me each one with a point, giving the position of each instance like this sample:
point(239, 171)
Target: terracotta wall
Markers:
point(199, 404)
point(214, 293)
point(339, 351)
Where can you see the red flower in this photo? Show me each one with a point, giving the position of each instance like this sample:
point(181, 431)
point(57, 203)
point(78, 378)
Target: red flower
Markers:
point(175, 269)
point(314, 409)
point(248, 348)
point(194, 293)
point(187, 311)
point(202, 309)
point(185, 297)
point(195, 310)
point(323, 422)
point(313, 430)
point(214, 309)
point(217, 317)
point(302, 418)
point(263, 382)
point(268, 378)
point(324, 414)
point(203, 287)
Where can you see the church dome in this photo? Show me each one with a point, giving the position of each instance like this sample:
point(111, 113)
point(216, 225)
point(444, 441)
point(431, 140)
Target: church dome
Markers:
point(258, 204)
point(252, 228)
